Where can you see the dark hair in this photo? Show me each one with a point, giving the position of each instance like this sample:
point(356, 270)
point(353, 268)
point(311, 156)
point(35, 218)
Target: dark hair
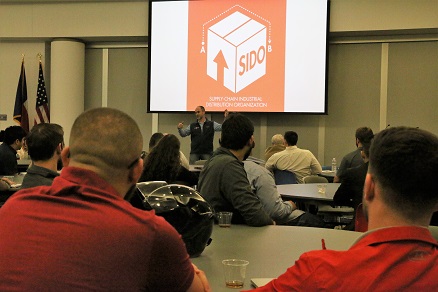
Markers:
point(202, 108)
point(291, 138)
point(43, 140)
point(13, 133)
point(364, 134)
point(236, 131)
point(366, 148)
point(404, 161)
point(163, 162)
point(154, 139)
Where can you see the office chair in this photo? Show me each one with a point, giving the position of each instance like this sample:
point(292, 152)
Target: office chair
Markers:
point(284, 177)
point(314, 179)
point(333, 216)
point(434, 231)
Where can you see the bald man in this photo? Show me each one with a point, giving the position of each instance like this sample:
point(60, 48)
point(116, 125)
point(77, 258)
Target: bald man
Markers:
point(80, 233)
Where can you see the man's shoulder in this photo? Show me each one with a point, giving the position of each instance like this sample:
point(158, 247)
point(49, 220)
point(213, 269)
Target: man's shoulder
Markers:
point(350, 156)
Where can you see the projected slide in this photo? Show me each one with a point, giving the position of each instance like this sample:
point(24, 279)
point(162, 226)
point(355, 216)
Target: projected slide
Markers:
point(245, 56)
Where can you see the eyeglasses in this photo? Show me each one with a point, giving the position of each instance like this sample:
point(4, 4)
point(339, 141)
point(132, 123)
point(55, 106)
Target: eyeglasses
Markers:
point(142, 156)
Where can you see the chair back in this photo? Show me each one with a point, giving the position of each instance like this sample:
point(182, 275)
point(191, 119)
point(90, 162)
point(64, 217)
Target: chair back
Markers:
point(326, 167)
point(360, 222)
point(314, 179)
point(434, 231)
point(200, 162)
point(284, 177)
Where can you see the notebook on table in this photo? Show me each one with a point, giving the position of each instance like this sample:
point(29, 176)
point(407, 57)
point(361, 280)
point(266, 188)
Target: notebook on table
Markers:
point(258, 282)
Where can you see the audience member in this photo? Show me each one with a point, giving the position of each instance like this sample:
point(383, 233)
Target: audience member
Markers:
point(354, 159)
point(164, 164)
point(23, 152)
point(299, 161)
point(350, 191)
point(156, 137)
point(277, 142)
point(80, 234)
point(12, 141)
point(45, 142)
point(283, 213)
point(223, 181)
point(201, 133)
point(399, 252)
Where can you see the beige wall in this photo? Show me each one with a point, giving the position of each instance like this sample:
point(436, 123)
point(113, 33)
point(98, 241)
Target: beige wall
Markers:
point(383, 67)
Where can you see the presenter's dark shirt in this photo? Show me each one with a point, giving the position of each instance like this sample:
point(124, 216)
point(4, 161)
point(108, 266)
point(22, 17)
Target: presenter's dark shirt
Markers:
point(8, 160)
point(202, 139)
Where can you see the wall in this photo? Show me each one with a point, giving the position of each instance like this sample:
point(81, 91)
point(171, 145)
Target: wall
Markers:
point(382, 67)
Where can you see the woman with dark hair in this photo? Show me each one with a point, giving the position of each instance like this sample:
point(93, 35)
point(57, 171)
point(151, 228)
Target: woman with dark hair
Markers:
point(12, 139)
point(164, 164)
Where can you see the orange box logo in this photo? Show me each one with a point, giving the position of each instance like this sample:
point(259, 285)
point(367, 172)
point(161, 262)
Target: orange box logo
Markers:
point(236, 55)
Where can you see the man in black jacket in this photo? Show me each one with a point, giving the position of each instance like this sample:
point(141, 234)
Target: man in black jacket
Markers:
point(202, 134)
point(350, 191)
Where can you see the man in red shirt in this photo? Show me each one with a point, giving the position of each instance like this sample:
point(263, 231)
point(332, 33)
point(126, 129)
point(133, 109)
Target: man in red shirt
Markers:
point(398, 253)
point(80, 234)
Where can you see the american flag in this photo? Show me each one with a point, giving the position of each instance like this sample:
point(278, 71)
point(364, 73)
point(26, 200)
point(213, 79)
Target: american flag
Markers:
point(42, 103)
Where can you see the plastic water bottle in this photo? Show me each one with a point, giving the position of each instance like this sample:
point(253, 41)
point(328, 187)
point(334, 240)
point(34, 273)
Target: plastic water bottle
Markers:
point(334, 166)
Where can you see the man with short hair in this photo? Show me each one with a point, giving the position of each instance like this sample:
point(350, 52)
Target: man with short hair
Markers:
point(12, 141)
point(223, 181)
point(44, 142)
point(277, 145)
point(299, 161)
point(80, 234)
point(399, 252)
point(201, 133)
point(354, 159)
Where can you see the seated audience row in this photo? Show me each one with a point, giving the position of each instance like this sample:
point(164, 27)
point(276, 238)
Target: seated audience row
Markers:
point(230, 183)
point(84, 216)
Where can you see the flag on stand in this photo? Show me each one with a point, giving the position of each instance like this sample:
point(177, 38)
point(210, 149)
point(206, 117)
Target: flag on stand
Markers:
point(42, 103)
point(20, 109)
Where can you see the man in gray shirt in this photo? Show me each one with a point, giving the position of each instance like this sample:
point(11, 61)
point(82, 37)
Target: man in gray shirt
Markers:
point(283, 213)
point(223, 181)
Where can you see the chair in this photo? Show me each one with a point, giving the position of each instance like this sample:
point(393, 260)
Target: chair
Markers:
point(314, 179)
point(360, 222)
point(434, 231)
point(337, 215)
point(284, 177)
point(200, 162)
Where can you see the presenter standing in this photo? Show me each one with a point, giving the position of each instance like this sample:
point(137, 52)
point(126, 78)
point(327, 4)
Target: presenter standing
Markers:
point(201, 133)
